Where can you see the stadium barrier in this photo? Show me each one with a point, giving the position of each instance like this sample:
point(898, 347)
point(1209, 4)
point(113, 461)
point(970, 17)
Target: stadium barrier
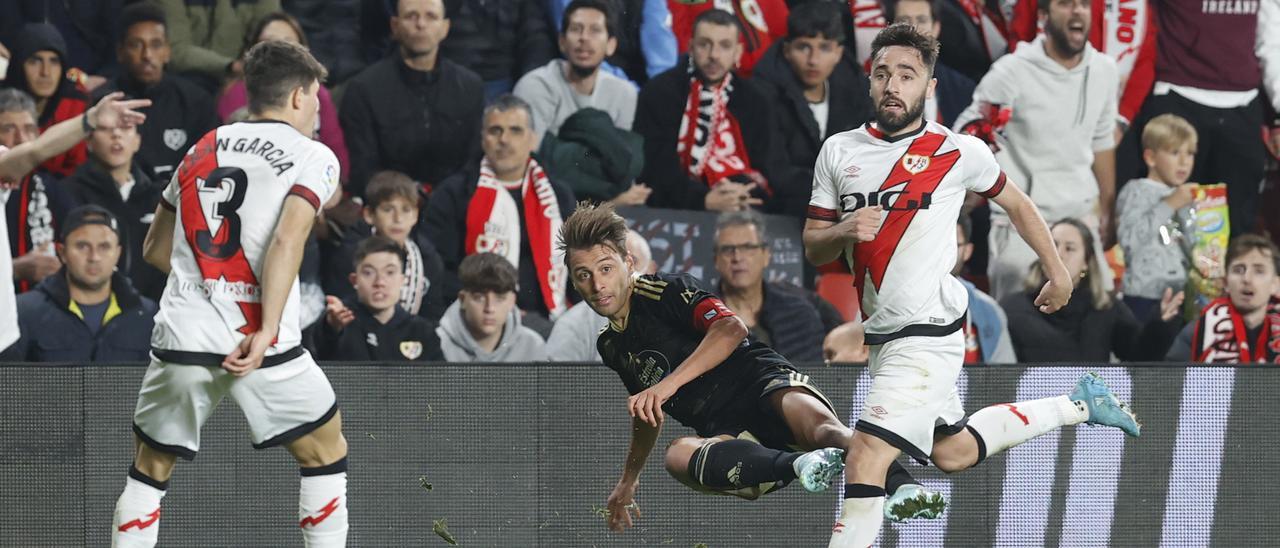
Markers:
point(525, 455)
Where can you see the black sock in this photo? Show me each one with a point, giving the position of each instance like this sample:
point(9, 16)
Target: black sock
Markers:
point(862, 491)
point(982, 445)
point(734, 464)
point(897, 477)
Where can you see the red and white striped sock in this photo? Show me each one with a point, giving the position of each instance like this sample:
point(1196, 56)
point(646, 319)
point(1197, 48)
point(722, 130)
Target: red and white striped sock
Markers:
point(322, 505)
point(1006, 425)
point(136, 523)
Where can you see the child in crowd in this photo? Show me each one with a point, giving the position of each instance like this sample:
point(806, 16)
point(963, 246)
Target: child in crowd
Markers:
point(1155, 261)
point(483, 325)
point(375, 327)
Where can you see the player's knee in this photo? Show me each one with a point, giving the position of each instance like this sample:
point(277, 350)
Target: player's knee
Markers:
point(679, 452)
point(950, 460)
point(154, 464)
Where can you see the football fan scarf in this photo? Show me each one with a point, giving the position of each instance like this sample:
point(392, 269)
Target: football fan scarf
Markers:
point(1220, 335)
point(35, 226)
point(710, 145)
point(493, 225)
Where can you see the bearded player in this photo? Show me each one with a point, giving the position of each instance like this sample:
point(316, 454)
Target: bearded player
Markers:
point(230, 231)
point(760, 424)
point(886, 198)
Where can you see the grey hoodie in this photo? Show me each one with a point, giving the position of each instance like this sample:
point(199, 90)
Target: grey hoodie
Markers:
point(518, 344)
point(1060, 118)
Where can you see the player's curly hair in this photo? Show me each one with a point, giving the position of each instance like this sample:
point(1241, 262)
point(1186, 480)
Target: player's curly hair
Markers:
point(592, 225)
point(906, 35)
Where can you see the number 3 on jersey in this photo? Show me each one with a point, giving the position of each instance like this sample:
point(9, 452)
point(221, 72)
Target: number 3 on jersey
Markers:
point(218, 254)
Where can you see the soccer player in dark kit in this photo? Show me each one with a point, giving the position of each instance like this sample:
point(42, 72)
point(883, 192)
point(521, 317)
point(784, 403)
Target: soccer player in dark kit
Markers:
point(760, 423)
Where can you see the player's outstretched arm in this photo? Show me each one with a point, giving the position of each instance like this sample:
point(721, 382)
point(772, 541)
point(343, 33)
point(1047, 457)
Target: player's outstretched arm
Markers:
point(157, 247)
point(284, 256)
point(109, 113)
point(621, 502)
point(721, 339)
point(824, 241)
point(1032, 228)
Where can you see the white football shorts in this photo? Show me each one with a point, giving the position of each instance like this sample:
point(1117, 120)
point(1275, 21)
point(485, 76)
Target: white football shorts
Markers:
point(913, 392)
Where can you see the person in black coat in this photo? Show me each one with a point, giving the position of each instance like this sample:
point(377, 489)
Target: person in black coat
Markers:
point(180, 112)
point(1094, 324)
point(414, 112)
point(722, 168)
point(112, 180)
point(373, 326)
point(815, 89)
point(954, 90)
point(86, 312)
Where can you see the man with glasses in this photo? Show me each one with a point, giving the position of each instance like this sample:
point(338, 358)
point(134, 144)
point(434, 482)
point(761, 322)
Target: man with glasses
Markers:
point(741, 258)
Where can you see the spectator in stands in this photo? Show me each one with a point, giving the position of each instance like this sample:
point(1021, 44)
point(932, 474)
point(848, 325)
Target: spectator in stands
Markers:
point(986, 328)
point(846, 344)
point(564, 86)
point(435, 138)
point(1049, 109)
point(1093, 325)
point(373, 326)
point(762, 23)
point(777, 315)
point(38, 68)
point(815, 91)
point(1244, 325)
point(180, 113)
point(573, 338)
point(507, 205)
point(35, 204)
point(112, 180)
point(499, 39)
point(85, 312)
point(646, 44)
point(954, 90)
point(391, 209)
point(207, 36)
point(1154, 259)
point(708, 133)
point(233, 105)
point(88, 26)
point(483, 325)
point(345, 35)
point(1206, 71)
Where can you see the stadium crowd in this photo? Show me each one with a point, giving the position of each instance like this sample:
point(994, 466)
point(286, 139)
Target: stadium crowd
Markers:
point(467, 130)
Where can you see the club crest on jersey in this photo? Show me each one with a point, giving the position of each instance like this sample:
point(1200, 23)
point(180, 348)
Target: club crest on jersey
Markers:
point(410, 349)
point(915, 163)
point(175, 138)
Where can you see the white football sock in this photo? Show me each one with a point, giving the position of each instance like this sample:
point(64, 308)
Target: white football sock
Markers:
point(1006, 425)
point(860, 518)
point(322, 506)
point(136, 523)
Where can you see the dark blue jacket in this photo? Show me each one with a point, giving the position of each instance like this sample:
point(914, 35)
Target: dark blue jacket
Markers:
point(51, 332)
point(954, 92)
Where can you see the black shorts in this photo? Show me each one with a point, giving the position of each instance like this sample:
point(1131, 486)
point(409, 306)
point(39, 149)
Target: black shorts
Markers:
point(752, 413)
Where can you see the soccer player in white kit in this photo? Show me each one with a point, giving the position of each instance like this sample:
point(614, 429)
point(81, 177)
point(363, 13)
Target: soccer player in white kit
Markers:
point(230, 231)
point(886, 197)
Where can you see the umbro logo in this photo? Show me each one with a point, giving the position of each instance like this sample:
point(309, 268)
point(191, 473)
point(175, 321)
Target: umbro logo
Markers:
point(852, 171)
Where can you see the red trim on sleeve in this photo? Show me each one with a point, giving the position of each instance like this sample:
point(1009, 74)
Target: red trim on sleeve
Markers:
point(996, 188)
point(306, 194)
point(823, 214)
point(168, 205)
point(708, 311)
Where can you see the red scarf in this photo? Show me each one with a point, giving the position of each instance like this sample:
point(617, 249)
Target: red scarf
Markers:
point(1220, 335)
point(710, 146)
point(494, 226)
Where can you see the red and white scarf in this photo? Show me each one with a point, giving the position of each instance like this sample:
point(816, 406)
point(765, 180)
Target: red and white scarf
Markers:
point(710, 145)
point(494, 226)
point(1220, 335)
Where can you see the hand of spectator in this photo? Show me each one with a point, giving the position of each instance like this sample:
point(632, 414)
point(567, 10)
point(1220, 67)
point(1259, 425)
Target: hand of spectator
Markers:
point(1182, 196)
point(337, 314)
point(731, 196)
point(863, 225)
point(1053, 296)
point(638, 194)
point(113, 112)
point(248, 355)
point(35, 266)
point(1170, 304)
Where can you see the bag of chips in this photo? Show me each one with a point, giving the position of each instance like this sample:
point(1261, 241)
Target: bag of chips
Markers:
point(1210, 228)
